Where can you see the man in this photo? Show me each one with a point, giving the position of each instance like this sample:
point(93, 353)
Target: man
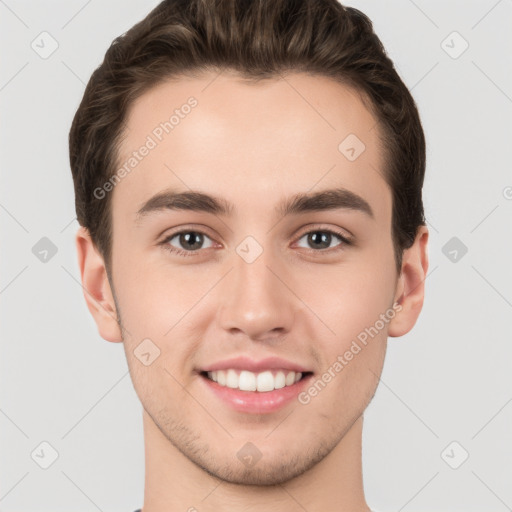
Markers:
point(248, 180)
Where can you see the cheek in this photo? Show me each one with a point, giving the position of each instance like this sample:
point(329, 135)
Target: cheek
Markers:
point(165, 304)
point(353, 357)
point(144, 287)
point(350, 299)
point(353, 311)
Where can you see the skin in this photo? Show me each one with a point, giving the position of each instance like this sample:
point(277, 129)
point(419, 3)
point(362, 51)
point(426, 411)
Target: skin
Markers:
point(253, 145)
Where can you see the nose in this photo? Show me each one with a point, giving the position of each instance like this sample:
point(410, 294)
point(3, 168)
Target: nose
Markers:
point(256, 300)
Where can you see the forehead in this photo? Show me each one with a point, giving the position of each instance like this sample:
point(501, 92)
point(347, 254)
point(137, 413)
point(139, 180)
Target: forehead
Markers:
point(250, 143)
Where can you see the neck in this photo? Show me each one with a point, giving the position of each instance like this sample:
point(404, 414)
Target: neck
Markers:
point(174, 483)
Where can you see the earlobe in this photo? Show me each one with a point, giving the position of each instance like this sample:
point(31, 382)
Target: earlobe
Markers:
point(96, 287)
point(411, 285)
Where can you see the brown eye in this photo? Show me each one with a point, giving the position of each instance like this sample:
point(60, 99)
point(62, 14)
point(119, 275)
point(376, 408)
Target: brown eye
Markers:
point(186, 242)
point(322, 239)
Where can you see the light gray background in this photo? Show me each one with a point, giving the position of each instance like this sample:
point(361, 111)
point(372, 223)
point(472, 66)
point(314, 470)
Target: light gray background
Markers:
point(448, 380)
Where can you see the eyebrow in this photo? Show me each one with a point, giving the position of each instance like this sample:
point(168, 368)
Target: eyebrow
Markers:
point(331, 199)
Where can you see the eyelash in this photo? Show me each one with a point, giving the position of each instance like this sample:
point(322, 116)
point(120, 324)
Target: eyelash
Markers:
point(345, 241)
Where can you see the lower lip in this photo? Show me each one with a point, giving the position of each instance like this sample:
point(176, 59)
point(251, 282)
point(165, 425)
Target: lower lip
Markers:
point(257, 402)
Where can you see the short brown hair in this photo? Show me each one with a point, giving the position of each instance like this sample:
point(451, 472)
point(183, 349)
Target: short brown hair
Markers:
point(258, 39)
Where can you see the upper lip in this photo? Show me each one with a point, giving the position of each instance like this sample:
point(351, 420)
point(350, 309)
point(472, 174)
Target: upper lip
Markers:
point(245, 363)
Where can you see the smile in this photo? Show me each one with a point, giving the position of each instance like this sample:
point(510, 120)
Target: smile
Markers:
point(245, 380)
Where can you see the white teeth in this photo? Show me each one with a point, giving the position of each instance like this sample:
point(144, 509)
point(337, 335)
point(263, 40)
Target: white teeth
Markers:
point(265, 381)
point(231, 379)
point(249, 381)
point(280, 380)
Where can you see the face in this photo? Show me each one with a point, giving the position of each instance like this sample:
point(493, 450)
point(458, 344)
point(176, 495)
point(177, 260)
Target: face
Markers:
point(197, 285)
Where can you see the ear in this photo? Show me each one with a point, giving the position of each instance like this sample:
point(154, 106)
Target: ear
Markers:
point(96, 287)
point(410, 288)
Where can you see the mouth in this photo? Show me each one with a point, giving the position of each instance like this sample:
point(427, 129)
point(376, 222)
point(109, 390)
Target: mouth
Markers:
point(259, 382)
point(259, 392)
